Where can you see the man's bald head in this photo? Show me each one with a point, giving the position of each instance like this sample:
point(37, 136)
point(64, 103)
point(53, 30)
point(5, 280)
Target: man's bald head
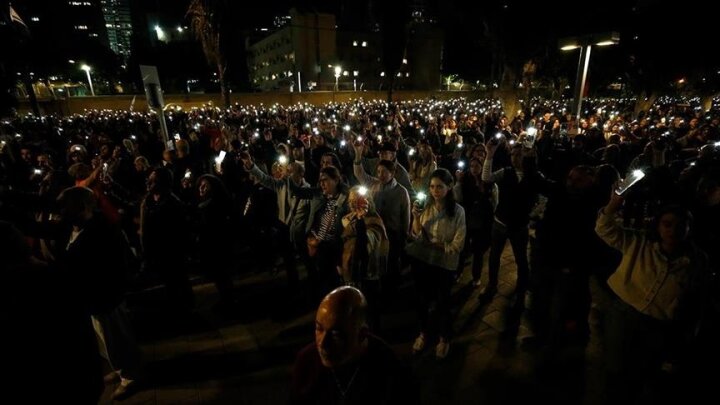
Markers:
point(341, 326)
point(346, 302)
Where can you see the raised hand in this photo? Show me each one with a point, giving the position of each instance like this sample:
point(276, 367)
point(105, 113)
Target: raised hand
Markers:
point(616, 201)
point(247, 160)
point(359, 148)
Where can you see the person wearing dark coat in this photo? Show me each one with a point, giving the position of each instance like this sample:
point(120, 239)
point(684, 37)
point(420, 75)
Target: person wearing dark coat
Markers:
point(166, 238)
point(45, 323)
point(347, 364)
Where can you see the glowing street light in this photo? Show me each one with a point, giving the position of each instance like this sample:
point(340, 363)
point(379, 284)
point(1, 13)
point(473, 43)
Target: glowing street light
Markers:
point(160, 33)
point(87, 70)
point(585, 44)
point(338, 72)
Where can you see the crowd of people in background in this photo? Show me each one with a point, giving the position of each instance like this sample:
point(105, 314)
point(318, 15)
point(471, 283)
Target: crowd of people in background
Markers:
point(357, 193)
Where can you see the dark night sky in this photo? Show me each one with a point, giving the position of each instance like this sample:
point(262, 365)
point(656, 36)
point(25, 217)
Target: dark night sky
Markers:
point(667, 41)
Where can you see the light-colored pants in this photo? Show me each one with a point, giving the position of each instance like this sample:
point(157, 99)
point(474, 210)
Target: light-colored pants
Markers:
point(116, 341)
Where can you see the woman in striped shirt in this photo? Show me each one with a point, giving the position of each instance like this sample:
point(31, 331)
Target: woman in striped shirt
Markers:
point(323, 226)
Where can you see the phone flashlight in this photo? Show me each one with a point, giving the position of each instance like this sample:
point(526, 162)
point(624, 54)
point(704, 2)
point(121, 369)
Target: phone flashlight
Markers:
point(629, 181)
point(219, 159)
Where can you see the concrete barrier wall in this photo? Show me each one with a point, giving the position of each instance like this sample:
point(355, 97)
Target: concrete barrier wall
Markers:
point(77, 105)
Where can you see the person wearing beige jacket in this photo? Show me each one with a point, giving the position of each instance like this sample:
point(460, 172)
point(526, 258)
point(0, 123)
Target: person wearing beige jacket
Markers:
point(658, 290)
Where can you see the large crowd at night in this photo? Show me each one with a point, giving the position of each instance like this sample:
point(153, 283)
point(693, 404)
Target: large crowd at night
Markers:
point(617, 213)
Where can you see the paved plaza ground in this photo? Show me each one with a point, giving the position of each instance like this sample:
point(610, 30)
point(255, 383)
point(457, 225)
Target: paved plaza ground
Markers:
point(247, 358)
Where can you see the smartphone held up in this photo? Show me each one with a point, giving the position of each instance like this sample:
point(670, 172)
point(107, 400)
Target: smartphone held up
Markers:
point(633, 178)
point(420, 199)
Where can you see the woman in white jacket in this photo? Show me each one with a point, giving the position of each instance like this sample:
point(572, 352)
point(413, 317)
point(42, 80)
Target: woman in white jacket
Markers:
point(438, 232)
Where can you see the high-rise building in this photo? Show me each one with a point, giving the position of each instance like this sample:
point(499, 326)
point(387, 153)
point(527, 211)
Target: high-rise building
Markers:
point(59, 22)
point(119, 26)
point(85, 19)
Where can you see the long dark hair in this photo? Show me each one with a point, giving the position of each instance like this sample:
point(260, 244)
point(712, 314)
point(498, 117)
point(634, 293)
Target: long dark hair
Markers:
point(334, 173)
point(447, 178)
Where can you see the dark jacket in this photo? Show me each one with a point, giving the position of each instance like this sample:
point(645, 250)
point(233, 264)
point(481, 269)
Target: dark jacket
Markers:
point(164, 229)
point(97, 262)
point(378, 378)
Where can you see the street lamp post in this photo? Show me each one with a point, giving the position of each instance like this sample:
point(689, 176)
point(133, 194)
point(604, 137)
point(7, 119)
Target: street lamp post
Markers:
point(87, 70)
point(585, 43)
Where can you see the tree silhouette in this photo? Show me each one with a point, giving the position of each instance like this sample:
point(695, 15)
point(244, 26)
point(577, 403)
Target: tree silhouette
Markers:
point(393, 18)
point(206, 24)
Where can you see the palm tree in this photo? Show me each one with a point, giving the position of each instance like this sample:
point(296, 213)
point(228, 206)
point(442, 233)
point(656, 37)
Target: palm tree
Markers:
point(205, 22)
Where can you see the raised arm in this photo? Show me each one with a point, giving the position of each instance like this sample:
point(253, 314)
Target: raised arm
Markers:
point(608, 229)
point(265, 179)
point(358, 169)
point(487, 174)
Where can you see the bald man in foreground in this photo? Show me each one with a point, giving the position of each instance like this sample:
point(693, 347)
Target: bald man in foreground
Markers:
point(347, 364)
